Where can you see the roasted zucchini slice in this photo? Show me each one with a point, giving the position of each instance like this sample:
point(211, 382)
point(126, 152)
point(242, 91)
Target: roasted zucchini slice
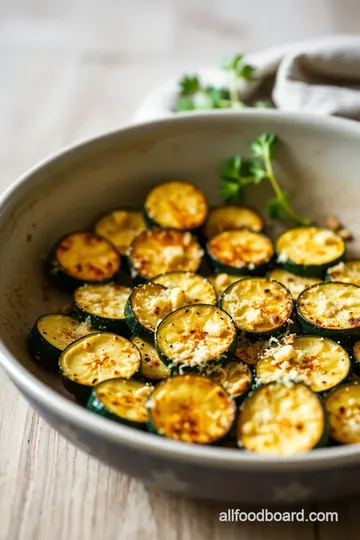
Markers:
point(240, 252)
point(145, 307)
point(319, 363)
point(96, 358)
point(356, 358)
point(309, 251)
point(158, 251)
point(227, 218)
point(195, 338)
point(120, 228)
point(345, 272)
point(260, 307)
point(281, 420)
point(103, 306)
point(176, 205)
point(343, 408)
point(191, 287)
point(152, 367)
point(235, 377)
point(51, 334)
point(330, 310)
point(192, 409)
point(121, 400)
point(249, 351)
point(222, 281)
point(83, 257)
point(295, 284)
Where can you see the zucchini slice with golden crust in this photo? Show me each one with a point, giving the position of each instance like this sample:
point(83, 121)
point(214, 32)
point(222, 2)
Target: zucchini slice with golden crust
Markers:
point(235, 377)
point(330, 310)
point(121, 400)
point(345, 272)
point(51, 334)
point(195, 338)
point(295, 284)
point(152, 368)
point(192, 409)
point(320, 363)
point(231, 217)
point(240, 252)
point(120, 227)
point(83, 257)
point(176, 205)
point(96, 358)
point(145, 307)
point(158, 251)
point(190, 287)
point(309, 251)
point(260, 307)
point(103, 306)
point(343, 408)
point(222, 281)
point(281, 420)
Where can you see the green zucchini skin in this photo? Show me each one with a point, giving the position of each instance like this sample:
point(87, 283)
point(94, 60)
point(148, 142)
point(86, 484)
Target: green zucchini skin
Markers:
point(66, 282)
point(94, 404)
point(42, 351)
point(104, 324)
point(134, 325)
point(345, 336)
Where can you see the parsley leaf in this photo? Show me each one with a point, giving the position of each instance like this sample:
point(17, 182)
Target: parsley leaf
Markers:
point(189, 85)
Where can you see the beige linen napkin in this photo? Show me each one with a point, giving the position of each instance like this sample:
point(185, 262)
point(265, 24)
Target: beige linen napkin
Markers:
point(320, 76)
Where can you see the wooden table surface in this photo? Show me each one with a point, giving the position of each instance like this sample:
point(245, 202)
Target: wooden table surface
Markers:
point(75, 68)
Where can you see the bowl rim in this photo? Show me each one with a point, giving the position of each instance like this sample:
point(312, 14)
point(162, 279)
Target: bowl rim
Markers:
point(75, 415)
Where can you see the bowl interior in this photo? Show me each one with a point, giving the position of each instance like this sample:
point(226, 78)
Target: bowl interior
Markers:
point(318, 161)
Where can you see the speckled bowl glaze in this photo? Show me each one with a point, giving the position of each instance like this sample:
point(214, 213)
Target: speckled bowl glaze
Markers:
point(319, 161)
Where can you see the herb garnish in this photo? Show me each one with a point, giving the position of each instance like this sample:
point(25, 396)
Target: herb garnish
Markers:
point(193, 95)
point(238, 172)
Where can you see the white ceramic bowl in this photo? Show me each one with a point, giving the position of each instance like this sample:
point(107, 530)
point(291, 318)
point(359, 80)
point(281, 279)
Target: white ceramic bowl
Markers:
point(319, 160)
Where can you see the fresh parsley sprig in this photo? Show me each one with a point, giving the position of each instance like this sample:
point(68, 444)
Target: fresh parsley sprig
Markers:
point(193, 95)
point(238, 172)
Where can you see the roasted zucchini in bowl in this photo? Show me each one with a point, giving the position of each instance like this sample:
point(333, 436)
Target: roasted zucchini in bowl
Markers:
point(345, 272)
point(260, 307)
point(330, 310)
point(196, 338)
point(96, 358)
point(320, 363)
point(51, 334)
point(83, 257)
point(231, 217)
point(282, 419)
point(240, 252)
point(194, 288)
point(343, 409)
point(122, 400)
point(192, 409)
point(103, 306)
point(176, 205)
point(235, 377)
point(120, 227)
point(157, 251)
point(309, 251)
